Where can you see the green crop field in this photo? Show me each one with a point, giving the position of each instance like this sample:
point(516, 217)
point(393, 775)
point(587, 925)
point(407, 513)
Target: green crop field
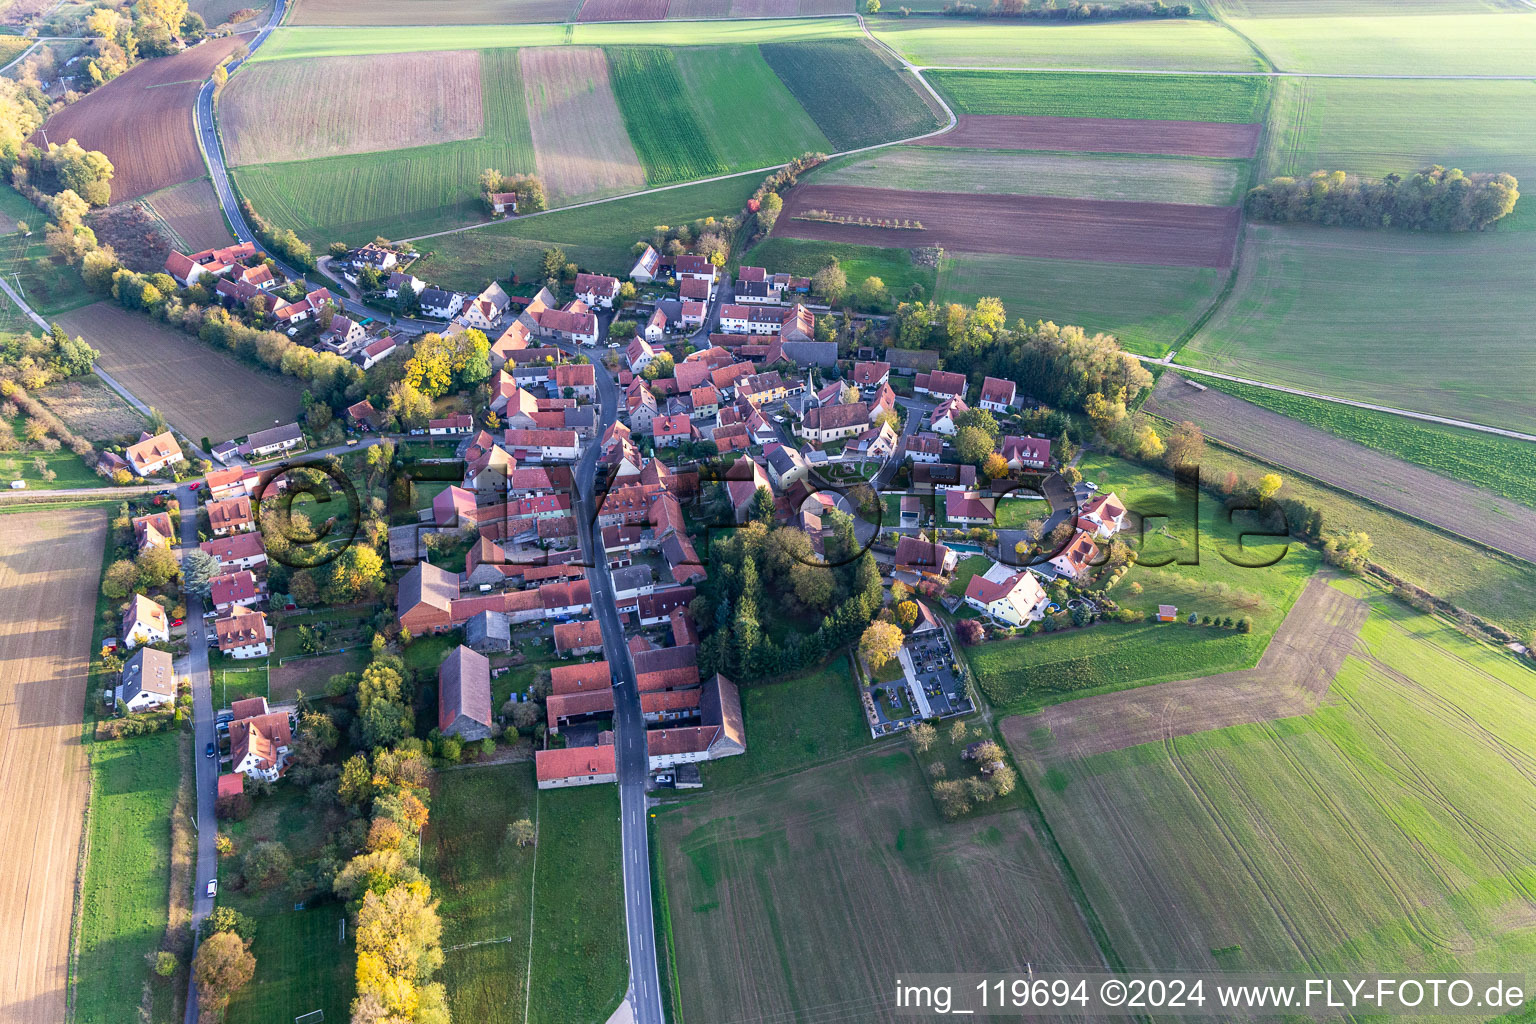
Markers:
point(403, 192)
point(852, 94)
point(1043, 668)
point(1078, 176)
point(1499, 464)
point(1374, 127)
point(1491, 585)
point(1379, 833)
point(299, 42)
point(1413, 321)
point(1172, 45)
point(124, 897)
point(804, 258)
point(1472, 43)
point(1147, 308)
point(820, 881)
point(722, 81)
point(597, 237)
point(1066, 94)
point(659, 117)
point(571, 879)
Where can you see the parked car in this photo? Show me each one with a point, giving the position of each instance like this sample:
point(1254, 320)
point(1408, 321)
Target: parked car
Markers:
point(178, 622)
point(213, 888)
point(210, 749)
point(194, 485)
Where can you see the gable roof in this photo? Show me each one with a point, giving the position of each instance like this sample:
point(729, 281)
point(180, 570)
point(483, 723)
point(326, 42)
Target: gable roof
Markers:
point(570, 762)
point(261, 736)
point(464, 687)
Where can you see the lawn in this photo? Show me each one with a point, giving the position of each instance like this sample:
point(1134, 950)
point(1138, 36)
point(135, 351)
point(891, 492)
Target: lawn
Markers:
point(1154, 179)
point(300, 42)
point(1498, 464)
point(125, 893)
point(47, 285)
point(803, 258)
point(804, 719)
point(1375, 835)
point(1364, 315)
point(1066, 94)
point(572, 878)
point(598, 238)
point(853, 95)
point(302, 965)
point(659, 116)
point(69, 469)
point(1171, 45)
point(1147, 308)
point(1496, 587)
point(829, 880)
point(235, 680)
point(405, 191)
point(1178, 566)
point(965, 570)
point(1468, 43)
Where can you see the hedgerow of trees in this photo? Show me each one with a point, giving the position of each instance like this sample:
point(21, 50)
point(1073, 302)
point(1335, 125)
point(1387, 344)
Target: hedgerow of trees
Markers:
point(1433, 199)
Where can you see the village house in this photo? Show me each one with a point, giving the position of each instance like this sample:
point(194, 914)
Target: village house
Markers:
point(575, 766)
point(399, 282)
point(259, 746)
point(720, 732)
point(376, 352)
point(232, 515)
point(503, 202)
point(237, 551)
point(573, 324)
point(375, 256)
point(1076, 558)
point(363, 416)
point(1025, 452)
point(968, 508)
point(924, 447)
point(940, 383)
point(464, 695)
point(145, 622)
point(942, 477)
point(154, 531)
point(439, 304)
point(576, 639)
point(670, 431)
point(870, 375)
point(997, 395)
point(153, 452)
point(827, 423)
point(1012, 596)
point(244, 633)
point(918, 555)
point(1102, 515)
point(187, 270)
point(271, 441)
point(458, 425)
point(786, 467)
point(543, 445)
point(597, 289)
point(234, 589)
point(639, 354)
point(482, 312)
point(942, 419)
point(147, 680)
point(704, 402)
point(655, 330)
point(646, 267)
point(312, 304)
point(743, 478)
point(579, 378)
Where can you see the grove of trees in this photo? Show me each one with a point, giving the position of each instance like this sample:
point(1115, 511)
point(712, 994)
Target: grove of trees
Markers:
point(1433, 199)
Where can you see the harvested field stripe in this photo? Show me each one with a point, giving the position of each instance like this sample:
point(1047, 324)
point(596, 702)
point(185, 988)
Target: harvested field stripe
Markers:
point(658, 114)
point(578, 132)
point(1234, 99)
point(1101, 135)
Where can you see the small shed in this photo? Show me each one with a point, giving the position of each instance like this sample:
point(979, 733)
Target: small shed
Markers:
point(488, 631)
point(1167, 613)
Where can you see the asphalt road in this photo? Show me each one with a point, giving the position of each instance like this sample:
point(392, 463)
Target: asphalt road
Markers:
point(202, 734)
point(629, 736)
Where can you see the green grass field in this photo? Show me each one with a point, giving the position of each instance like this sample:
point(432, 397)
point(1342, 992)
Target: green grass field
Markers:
point(303, 964)
point(1379, 833)
point(721, 81)
point(1470, 43)
point(827, 881)
point(1146, 307)
point(1078, 176)
point(1043, 668)
point(124, 896)
point(1496, 587)
point(794, 722)
point(299, 42)
point(852, 94)
point(1065, 94)
point(1172, 45)
point(1498, 464)
point(597, 238)
point(1406, 320)
point(804, 258)
point(486, 890)
point(403, 192)
point(48, 286)
point(659, 117)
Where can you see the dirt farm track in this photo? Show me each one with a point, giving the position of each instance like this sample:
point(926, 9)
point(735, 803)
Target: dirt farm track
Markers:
point(1101, 135)
point(1166, 234)
point(49, 565)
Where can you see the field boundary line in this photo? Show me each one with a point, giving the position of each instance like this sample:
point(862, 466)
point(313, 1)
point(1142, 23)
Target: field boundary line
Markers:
point(533, 889)
point(1426, 417)
point(1229, 74)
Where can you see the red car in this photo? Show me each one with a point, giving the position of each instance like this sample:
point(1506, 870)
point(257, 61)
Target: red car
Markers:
point(194, 485)
point(177, 622)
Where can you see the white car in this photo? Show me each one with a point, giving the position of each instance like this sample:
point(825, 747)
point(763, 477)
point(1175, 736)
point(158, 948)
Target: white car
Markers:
point(1090, 485)
point(213, 888)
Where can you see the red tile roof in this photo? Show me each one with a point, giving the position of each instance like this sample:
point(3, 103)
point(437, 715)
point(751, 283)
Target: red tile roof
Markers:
point(571, 762)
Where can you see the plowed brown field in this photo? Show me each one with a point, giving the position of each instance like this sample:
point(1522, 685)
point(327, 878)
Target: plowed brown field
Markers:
point(192, 211)
point(142, 120)
point(1074, 229)
point(49, 565)
point(1290, 679)
point(1101, 135)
